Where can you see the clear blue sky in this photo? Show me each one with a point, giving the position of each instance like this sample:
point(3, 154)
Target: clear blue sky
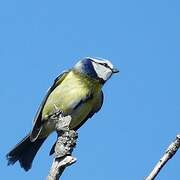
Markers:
point(141, 111)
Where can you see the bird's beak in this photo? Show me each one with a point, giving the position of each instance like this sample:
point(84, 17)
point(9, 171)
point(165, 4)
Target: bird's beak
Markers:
point(114, 70)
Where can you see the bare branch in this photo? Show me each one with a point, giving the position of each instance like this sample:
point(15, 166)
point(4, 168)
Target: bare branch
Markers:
point(170, 152)
point(64, 146)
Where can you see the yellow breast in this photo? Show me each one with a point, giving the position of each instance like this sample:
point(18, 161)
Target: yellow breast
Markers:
point(73, 89)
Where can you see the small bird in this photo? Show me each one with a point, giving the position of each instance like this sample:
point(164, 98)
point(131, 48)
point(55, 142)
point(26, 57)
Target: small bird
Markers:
point(76, 92)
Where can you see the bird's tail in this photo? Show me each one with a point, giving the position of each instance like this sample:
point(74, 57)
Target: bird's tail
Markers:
point(24, 152)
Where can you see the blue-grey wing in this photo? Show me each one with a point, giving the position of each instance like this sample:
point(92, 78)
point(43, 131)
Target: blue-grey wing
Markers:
point(38, 117)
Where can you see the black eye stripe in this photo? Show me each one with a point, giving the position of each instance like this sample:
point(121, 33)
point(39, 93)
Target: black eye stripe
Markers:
point(104, 64)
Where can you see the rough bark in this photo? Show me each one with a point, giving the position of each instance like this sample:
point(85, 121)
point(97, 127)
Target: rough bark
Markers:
point(64, 146)
point(169, 153)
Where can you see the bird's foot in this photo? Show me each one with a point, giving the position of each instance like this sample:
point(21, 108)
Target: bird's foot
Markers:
point(62, 124)
point(56, 114)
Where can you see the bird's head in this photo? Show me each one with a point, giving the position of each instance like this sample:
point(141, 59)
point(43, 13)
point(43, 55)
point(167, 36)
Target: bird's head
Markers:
point(97, 68)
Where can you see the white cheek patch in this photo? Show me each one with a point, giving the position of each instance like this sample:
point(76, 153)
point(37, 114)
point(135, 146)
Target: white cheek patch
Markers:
point(102, 71)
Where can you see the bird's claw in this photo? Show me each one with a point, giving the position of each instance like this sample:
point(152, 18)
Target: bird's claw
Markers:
point(56, 114)
point(62, 124)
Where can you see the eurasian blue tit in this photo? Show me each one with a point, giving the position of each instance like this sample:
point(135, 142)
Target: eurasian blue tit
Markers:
point(76, 92)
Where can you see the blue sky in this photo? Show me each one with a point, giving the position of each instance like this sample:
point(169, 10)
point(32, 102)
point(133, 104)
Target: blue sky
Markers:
point(141, 111)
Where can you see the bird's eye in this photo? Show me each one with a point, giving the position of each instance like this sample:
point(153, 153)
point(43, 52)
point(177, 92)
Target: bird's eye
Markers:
point(106, 65)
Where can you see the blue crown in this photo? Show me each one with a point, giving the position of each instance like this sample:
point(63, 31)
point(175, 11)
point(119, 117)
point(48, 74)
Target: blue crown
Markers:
point(85, 66)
